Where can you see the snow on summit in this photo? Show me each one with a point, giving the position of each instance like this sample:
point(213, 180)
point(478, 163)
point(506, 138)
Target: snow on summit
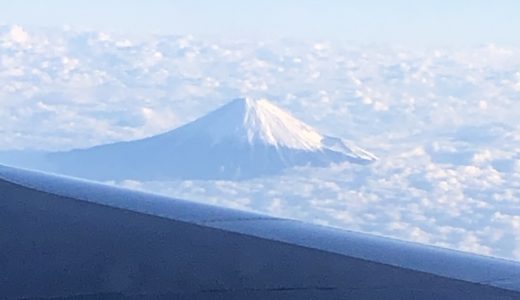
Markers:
point(260, 122)
point(245, 138)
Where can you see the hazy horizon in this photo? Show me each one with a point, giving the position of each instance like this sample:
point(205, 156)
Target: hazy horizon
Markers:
point(436, 23)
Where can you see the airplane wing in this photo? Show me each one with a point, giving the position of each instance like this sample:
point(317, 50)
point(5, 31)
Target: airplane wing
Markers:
point(63, 238)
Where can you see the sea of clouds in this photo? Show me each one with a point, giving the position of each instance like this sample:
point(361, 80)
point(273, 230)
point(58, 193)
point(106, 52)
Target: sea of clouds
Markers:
point(445, 122)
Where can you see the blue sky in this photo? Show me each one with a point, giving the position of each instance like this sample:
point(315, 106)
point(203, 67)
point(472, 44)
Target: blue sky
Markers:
point(399, 21)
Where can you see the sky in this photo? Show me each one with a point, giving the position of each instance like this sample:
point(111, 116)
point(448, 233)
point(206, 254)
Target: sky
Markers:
point(443, 22)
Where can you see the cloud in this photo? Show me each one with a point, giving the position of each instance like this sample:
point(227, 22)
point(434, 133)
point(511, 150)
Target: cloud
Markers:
point(18, 35)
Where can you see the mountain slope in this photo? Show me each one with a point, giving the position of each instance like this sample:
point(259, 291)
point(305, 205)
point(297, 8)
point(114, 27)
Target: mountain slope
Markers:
point(244, 138)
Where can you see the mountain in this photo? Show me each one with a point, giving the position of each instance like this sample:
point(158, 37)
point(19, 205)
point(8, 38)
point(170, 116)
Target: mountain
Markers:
point(243, 139)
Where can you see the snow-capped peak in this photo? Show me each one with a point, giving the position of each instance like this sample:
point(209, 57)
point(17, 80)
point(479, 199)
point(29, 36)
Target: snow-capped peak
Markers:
point(266, 122)
point(259, 122)
point(243, 139)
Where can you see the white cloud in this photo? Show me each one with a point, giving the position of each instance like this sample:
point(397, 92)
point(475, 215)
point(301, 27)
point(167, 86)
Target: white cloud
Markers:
point(18, 35)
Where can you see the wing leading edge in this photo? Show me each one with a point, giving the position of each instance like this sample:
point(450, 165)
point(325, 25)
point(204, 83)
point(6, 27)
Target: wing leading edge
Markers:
point(64, 238)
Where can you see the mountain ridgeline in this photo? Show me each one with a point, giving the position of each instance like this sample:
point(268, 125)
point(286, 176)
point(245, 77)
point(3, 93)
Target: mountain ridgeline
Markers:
point(243, 139)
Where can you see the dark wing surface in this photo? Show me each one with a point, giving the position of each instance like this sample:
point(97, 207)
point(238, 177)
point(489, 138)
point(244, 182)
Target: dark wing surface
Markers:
point(64, 238)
